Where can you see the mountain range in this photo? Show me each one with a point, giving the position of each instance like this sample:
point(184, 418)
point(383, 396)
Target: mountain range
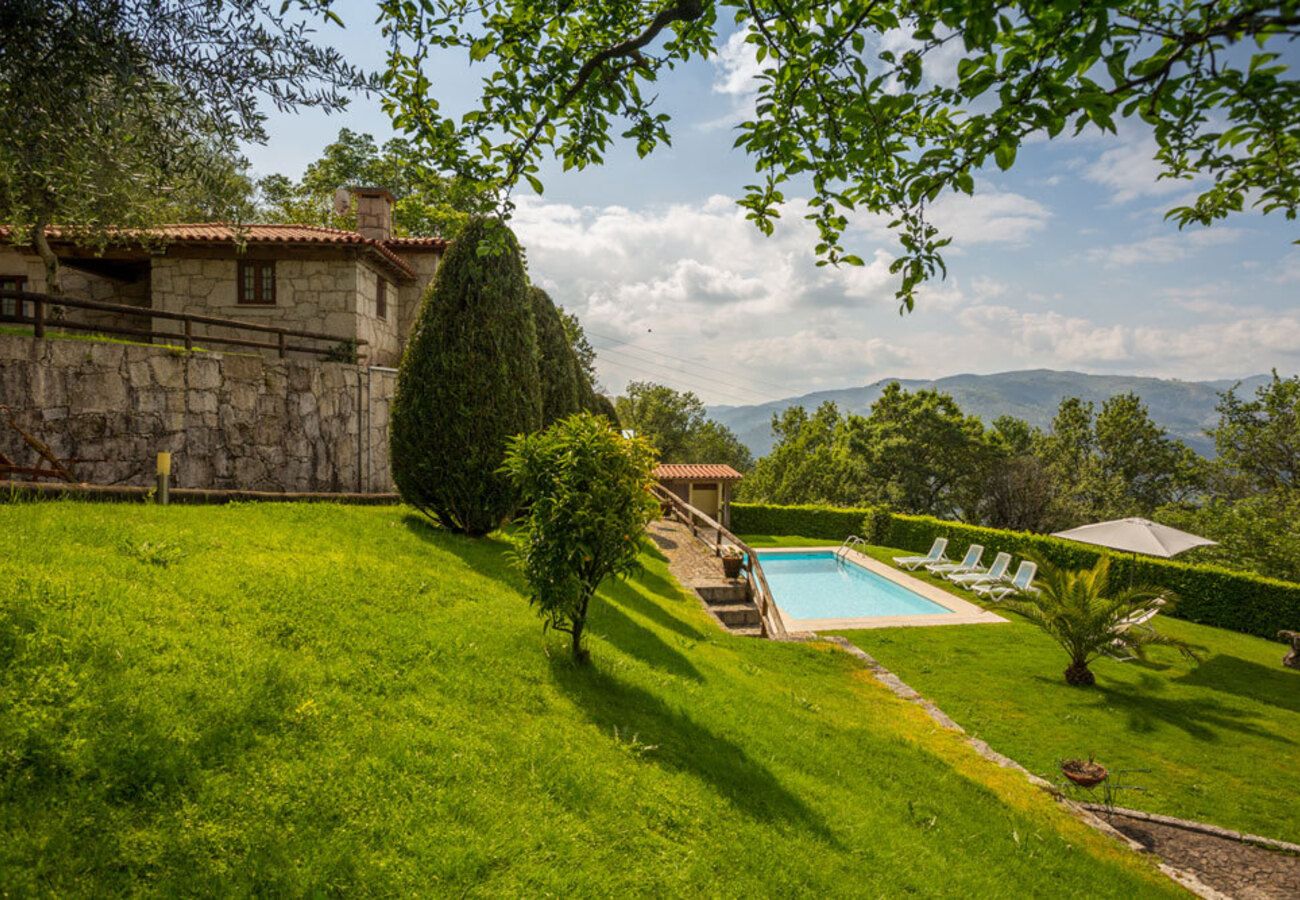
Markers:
point(1183, 408)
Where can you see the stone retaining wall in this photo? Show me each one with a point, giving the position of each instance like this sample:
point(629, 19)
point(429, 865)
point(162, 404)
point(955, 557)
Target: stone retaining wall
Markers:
point(230, 420)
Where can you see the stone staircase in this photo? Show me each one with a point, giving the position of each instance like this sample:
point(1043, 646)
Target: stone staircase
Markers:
point(728, 601)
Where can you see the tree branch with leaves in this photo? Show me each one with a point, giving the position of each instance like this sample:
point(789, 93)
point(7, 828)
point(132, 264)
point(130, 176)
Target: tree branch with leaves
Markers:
point(863, 128)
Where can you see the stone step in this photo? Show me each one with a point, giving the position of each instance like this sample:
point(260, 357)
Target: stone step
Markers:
point(723, 592)
point(736, 614)
point(747, 631)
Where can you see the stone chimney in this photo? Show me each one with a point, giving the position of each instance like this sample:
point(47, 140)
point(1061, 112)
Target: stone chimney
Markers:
point(374, 212)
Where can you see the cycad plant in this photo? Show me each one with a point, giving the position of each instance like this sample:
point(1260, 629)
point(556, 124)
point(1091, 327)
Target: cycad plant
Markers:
point(1083, 612)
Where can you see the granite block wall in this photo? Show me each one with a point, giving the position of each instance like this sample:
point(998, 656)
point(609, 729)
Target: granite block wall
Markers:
point(229, 420)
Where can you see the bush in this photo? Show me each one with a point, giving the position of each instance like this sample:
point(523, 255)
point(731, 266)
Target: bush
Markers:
point(588, 490)
point(556, 363)
point(826, 522)
point(468, 382)
point(1211, 595)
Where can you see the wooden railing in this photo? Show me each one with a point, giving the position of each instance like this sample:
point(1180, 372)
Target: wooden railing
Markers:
point(717, 538)
point(39, 305)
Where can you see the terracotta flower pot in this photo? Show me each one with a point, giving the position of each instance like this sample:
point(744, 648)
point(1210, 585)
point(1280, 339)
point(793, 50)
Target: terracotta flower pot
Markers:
point(731, 566)
point(1084, 773)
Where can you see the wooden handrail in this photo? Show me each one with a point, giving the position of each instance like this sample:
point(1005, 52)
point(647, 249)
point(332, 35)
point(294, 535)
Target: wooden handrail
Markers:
point(40, 321)
point(773, 627)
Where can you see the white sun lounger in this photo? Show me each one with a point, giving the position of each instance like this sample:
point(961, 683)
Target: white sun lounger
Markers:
point(996, 572)
point(970, 562)
point(1021, 582)
point(934, 556)
point(1138, 619)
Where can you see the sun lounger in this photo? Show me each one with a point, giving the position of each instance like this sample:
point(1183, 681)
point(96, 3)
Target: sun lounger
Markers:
point(970, 562)
point(1138, 619)
point(934, 556)
point(1022, 582)
point(995, 572)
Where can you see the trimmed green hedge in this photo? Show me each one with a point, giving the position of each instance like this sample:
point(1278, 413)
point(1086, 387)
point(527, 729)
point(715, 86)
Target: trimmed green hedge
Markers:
point(1210, 595)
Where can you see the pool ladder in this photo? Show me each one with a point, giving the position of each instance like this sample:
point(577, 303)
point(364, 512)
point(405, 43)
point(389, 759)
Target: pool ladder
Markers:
point(848, 544)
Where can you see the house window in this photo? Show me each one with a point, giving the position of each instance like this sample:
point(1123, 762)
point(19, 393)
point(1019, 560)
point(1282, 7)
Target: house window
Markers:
point(257, 281)
point(12, 306)
point(381, 297)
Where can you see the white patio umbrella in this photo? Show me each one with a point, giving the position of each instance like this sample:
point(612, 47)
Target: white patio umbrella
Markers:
point(1136, 536)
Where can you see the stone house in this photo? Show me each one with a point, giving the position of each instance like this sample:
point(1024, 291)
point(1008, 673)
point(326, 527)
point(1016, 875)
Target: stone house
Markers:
point(361, 285)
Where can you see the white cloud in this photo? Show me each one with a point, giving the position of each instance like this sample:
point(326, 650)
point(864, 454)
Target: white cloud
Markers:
point(1164, 248)
point(736, 68)
point(1129, 169)
point(989, 216)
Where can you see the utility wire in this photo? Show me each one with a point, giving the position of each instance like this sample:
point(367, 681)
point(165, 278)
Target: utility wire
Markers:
point(785, 389)
point(679, 382)
point(709, 380)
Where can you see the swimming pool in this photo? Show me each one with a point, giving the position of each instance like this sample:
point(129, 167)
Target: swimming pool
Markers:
point(816, 585)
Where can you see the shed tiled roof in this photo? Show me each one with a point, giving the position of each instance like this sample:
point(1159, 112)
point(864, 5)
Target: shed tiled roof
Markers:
point(696, 471)
point(225, 232)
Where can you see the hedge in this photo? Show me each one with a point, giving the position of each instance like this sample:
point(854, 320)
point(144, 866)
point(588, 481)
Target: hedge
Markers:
point(1210, 595)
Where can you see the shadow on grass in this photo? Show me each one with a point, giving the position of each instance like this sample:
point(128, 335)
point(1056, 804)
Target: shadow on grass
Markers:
point(606, 620)
point(627, 595)
point(1201, 718)
point(1234, 675)
point(485, 555)
point(683, 745)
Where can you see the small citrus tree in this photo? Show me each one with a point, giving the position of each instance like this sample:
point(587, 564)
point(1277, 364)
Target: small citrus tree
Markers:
point(589, 502)
point(1080, 611)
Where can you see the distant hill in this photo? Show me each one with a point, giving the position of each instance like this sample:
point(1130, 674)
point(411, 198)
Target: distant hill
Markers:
point(1184, 408)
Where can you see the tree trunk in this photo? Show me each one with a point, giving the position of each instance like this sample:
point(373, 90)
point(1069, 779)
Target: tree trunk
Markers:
point(1079, 675)
point(47, 256)
point(580, 655)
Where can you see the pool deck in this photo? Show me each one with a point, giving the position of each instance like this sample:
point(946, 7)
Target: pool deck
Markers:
point(963, 612)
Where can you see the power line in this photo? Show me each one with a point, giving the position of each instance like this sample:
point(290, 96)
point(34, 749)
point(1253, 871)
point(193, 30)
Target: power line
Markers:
point(785, 389)
point(679, 382)
point(711, 382)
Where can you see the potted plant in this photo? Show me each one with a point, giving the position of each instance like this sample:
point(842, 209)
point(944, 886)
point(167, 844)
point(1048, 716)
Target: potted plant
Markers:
point(731, 561)
point(1084, 773)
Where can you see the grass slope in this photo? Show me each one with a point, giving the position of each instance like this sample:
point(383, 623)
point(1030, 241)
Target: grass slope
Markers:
point(1220, 741)
point(316, 699)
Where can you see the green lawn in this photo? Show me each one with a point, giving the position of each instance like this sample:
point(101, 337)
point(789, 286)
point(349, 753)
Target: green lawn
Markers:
point(1221, 740)
point(297, 699)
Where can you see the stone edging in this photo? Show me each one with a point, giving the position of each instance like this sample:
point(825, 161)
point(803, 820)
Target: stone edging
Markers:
point(1084, 812)
point(1202, 827)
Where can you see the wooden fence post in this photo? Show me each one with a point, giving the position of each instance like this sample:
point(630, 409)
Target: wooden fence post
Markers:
point(38, 313)
point(189, 334)
point(282, 342)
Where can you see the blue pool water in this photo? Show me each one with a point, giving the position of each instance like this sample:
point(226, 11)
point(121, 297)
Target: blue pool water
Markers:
point(819, 586)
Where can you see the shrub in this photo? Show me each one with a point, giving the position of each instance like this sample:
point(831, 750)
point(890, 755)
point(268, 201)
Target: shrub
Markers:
point(826, 522)
point(588, 490)
point(556, 363)
point(468, 382)
point(1210, 595)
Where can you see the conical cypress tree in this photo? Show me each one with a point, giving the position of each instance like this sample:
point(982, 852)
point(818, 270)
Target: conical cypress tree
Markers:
point(557, 364)
point(468, 381)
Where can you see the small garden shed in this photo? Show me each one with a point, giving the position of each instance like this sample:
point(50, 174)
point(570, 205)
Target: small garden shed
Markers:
point(706, 486)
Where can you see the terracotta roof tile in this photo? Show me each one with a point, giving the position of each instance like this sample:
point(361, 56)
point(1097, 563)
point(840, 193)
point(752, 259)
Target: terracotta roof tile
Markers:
point(686, 471)
point(223, 232)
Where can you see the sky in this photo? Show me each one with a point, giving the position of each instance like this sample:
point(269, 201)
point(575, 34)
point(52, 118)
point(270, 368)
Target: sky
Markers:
point(1064, 262)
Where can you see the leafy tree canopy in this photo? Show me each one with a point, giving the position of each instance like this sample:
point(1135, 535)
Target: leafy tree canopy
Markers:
point(851, 106)
point(115, 113)
point(427, 204)
point(1258, 440)
point(675, 422)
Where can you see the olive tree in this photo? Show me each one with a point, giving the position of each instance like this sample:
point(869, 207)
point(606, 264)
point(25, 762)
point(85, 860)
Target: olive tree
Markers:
point(118, 114)
point(588, 491)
